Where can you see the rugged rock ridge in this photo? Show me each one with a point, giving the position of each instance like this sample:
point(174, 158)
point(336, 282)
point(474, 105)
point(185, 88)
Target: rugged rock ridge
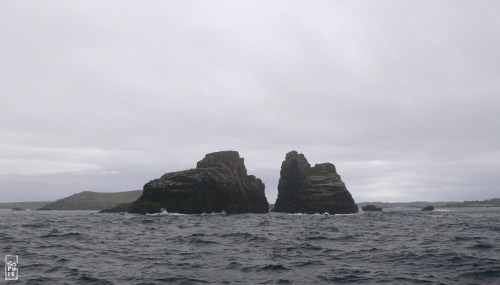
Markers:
point(306, 189)
point(218, 183)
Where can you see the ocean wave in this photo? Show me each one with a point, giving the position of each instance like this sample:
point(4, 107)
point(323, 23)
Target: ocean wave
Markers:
point(404, 247)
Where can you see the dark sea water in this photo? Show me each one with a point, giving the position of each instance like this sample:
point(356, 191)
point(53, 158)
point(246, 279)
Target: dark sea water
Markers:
point(398, 246)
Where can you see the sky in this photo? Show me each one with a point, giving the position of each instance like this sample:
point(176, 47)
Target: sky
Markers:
point(402, 96)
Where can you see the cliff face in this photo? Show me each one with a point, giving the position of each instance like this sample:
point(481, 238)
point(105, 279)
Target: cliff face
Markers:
point(306, 189)
point(218, 183)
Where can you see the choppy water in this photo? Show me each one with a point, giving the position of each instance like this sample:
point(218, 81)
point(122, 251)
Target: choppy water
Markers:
point(400, 246)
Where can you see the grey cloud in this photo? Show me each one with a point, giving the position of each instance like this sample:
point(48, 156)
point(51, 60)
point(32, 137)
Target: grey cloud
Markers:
point(136, 89)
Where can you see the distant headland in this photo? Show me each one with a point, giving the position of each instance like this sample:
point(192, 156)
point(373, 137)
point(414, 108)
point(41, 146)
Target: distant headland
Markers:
point(89, 200)
point(86, 200)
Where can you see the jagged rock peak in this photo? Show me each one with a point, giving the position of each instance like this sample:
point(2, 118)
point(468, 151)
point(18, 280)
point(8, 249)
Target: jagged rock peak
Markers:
point(295, 163)
point(224, 159)
point(327, 168)
point(294, 155)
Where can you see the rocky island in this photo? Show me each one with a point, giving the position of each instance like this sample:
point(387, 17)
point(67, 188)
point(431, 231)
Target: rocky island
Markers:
point(306, 189)
point(218, 183)
point(371, 208)
point(428, 208)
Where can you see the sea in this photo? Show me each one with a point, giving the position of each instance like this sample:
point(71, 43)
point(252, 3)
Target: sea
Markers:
point(396, 246)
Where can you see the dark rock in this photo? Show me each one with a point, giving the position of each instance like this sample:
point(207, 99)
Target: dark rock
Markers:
point(218, 183)
point(428, 208)
point(18, 209)
point(122, 208)
point(306, 189)
point(371, 208)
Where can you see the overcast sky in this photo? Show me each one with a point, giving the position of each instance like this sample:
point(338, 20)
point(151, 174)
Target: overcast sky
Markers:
point(402, 96)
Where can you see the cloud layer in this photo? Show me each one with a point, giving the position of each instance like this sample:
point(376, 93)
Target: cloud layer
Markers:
point(105, 95)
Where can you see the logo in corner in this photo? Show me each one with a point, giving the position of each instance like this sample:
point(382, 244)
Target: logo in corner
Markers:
point(11, 271)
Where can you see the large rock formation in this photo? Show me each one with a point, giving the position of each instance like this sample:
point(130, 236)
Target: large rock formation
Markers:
point(306, 189)
point(218, 183)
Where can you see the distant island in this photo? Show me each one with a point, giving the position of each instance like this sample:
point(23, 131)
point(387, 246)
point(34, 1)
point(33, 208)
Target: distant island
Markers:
point(485, 203)
point(89, 200)
point(420, 204)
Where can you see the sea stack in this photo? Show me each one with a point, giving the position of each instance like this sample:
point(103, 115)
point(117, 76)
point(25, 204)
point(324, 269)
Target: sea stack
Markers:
point(218, 183)
point(306, 189)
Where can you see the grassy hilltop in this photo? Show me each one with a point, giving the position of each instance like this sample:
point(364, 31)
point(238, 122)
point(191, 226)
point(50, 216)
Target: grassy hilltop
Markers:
point(89, 200)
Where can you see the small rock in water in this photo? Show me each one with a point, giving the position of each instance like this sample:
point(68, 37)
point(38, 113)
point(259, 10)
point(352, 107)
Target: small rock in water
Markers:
point(18, 209)
point(371, 208)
